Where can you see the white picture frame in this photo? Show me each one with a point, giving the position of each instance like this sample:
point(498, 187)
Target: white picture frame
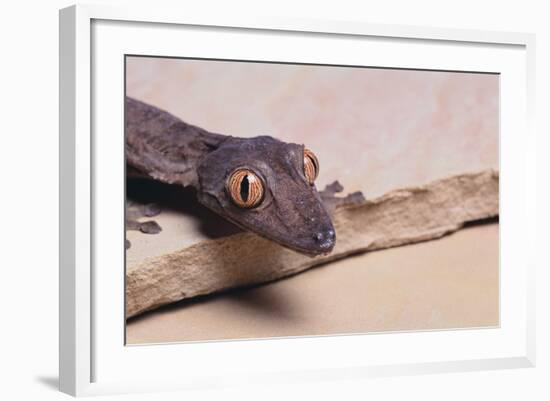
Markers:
point(93, 357)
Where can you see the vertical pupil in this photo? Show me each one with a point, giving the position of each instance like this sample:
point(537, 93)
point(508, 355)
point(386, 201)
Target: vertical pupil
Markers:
point(245, 188)
point(312, 161)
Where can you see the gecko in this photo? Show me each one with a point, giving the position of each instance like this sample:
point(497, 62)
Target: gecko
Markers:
point(260, 184)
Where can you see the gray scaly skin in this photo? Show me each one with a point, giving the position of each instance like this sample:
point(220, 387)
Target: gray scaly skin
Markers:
point(292, 212)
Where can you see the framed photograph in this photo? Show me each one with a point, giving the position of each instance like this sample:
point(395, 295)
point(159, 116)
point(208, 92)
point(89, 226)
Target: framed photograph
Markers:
point(276, 200)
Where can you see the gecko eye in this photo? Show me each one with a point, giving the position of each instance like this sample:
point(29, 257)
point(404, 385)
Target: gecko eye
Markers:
point(311, 166)
point(245, 188)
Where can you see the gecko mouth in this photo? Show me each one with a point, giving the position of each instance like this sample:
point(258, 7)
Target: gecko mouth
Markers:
point(310, 252)
point(321, 242)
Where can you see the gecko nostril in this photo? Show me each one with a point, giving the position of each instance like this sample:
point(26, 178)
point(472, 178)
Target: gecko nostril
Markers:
point(325, 236)
point(318, 236)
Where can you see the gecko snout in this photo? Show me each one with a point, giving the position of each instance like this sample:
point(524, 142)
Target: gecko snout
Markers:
point(325, 239)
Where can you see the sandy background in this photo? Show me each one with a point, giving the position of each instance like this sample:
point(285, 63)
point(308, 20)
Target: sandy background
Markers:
point(374, 130)
point(443, 284)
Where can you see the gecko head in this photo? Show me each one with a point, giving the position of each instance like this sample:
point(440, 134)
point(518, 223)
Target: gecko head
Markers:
point(267, 186)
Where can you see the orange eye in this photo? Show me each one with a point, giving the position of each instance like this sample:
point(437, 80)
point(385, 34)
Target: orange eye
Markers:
point(311, 166)
point(245, 188)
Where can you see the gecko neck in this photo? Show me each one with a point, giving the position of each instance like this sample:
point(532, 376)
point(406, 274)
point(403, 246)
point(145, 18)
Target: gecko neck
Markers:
point(163, 147)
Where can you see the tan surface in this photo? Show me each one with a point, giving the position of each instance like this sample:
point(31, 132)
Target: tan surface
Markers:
point(447, 283)
point(400, 217)
point(374, 130)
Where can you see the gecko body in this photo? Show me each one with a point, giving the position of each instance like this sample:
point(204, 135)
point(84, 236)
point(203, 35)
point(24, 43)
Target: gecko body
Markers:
point(260, 184)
